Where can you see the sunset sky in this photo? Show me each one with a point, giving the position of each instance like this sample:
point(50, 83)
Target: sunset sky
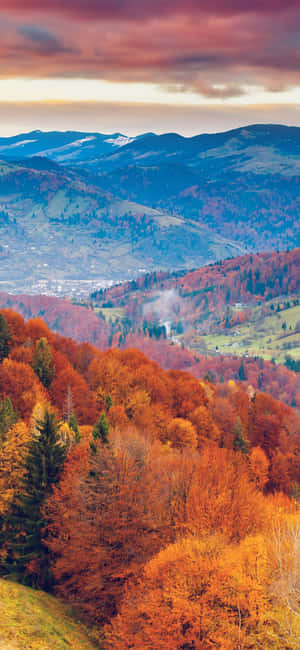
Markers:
point(138, 65)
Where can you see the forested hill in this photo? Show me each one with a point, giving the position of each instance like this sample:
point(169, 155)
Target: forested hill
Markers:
point(62, 232)
point(232, 320)
point(243, 185)
point(251, 277)
point(141, 496)
point(246, 306)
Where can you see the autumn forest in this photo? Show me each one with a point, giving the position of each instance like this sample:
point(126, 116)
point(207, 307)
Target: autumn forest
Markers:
point(149, 325)
point(162, 507)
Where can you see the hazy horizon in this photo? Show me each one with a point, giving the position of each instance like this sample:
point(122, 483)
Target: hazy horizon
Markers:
point(24, 118)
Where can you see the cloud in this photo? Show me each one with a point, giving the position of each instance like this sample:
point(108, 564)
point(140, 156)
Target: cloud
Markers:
point(141, 9)
point(43, 41)
point(219, 92)
point(212, 48)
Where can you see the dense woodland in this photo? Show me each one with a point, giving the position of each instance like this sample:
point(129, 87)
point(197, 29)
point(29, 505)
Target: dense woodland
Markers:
point(205, 293)
point(163, 507)
point(198, 301)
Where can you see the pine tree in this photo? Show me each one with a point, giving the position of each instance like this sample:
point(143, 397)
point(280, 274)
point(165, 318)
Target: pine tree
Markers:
point(240, 442)
point(4, 338)
point(101, 429)
point(41, 362)
point(108, 402)
point(8, 416)
point(23, 529)
point(73, 424)
point(241, 371)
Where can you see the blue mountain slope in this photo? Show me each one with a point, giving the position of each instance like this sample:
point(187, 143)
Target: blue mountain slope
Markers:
point(117, 150)
point(241, 187)
point(64, 147)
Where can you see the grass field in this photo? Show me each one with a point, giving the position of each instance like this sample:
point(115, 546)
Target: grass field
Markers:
point(110, 313)
point(33, 620)
point(263, 336)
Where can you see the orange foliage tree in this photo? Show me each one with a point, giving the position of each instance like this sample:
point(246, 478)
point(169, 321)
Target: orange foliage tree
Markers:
point(181, 433)
point(106, 520)
point(198, 593)
point(19, 382)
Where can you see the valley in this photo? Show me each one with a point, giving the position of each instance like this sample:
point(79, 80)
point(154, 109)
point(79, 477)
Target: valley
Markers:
point(149, 325)
point(65, 236)
point(84, 211)
point(149, 390)
point(237, 319)
point(247, 306)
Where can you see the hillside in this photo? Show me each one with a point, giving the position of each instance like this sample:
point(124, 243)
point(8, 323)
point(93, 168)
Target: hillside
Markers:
point(62, 316)
point(232, 320)
point(140, 496)
point(242, 184)
point(247, 305)
point(37, 621)
point(62, 234)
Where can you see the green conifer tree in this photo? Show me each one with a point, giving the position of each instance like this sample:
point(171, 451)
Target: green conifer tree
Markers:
point(27, 557)
point(41, 362)
point(4, 338)
point(241, 372)
point(101, 429)
point(108, 402)
point(73, 424)
point(8, 416)
point(240, 442)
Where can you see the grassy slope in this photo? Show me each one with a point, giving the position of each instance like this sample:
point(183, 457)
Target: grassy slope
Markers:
point(262, 336)
point(111, 313)
point(34, 620)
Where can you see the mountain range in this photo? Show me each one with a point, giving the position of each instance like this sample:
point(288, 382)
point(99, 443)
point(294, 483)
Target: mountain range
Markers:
point(84, 210)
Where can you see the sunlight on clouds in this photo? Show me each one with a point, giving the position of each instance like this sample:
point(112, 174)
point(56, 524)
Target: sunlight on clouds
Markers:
point(75, 90)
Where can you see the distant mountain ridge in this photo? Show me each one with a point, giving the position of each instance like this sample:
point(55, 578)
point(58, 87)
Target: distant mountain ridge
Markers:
point(119, 150)
point(242, 184)
point(107, 207)
point(63, 147)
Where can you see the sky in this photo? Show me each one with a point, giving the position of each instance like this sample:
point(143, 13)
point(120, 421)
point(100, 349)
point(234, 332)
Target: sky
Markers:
point(190, 66)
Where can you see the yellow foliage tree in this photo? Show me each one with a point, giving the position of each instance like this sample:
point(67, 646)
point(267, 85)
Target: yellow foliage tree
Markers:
point(181, 433)
point(66, 434)
point(12, 454)
point(37, 414)
point(259, 467)
point(284, 560)
point(206, 428)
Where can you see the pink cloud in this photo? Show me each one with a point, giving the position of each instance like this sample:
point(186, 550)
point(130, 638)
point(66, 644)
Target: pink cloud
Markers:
point(136, 9)
point(210, 47)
